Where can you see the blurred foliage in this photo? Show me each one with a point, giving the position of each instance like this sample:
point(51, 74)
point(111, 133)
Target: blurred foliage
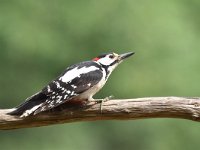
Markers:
point(38, 39)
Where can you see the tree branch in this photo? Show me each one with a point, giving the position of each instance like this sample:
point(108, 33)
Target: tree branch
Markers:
point(125, 109)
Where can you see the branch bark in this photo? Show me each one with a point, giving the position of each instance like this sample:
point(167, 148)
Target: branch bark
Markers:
point(125, 109)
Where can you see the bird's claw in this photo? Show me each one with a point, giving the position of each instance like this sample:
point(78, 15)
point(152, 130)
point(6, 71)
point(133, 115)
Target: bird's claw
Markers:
point(104, 100)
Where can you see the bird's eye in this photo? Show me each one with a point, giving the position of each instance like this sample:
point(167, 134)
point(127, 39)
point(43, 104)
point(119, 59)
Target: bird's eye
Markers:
point(111, 56)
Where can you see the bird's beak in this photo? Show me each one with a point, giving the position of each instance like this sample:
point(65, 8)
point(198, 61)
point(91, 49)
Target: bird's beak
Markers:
point(125, 55)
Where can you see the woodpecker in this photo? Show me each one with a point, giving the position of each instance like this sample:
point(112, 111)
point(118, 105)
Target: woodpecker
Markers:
point(80, 81)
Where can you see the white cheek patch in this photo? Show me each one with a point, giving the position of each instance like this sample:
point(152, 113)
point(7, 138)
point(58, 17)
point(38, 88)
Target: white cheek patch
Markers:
point(74, 73)
point(106, 61)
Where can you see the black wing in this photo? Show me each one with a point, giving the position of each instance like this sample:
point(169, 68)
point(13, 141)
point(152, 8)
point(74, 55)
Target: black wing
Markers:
point(59, 92)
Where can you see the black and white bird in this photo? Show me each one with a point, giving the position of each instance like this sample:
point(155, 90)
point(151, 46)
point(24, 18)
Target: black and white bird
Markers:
point(78, 82)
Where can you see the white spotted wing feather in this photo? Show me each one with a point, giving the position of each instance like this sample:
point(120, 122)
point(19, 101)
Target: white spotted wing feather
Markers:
point(82, 81)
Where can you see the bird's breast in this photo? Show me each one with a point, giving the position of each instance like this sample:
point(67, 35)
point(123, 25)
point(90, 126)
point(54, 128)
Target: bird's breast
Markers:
point(93, 90)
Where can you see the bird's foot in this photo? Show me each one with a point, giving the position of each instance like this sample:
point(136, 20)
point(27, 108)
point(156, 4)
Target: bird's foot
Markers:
point(104, 100)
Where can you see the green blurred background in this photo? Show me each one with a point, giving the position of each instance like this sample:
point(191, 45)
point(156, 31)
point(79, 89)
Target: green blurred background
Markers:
point(39, 39)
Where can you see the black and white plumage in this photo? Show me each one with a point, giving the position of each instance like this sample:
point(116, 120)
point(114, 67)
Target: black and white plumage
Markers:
point(80, 81)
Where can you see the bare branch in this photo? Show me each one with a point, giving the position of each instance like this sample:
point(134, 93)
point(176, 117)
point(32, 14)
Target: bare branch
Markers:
point(125, 109)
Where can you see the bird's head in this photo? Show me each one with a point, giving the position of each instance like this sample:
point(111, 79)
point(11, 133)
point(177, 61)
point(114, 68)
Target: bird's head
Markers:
point(111, 60)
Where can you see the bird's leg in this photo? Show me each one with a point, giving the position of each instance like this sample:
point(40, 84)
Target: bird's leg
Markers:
point(104, 100)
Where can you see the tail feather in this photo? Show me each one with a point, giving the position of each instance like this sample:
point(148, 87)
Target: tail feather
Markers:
point(31, 104)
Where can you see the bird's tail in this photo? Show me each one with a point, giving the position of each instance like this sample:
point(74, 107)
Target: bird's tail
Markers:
point(30, 105)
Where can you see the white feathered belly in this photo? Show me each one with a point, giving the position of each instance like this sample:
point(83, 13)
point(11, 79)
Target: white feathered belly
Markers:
point(87, 95)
